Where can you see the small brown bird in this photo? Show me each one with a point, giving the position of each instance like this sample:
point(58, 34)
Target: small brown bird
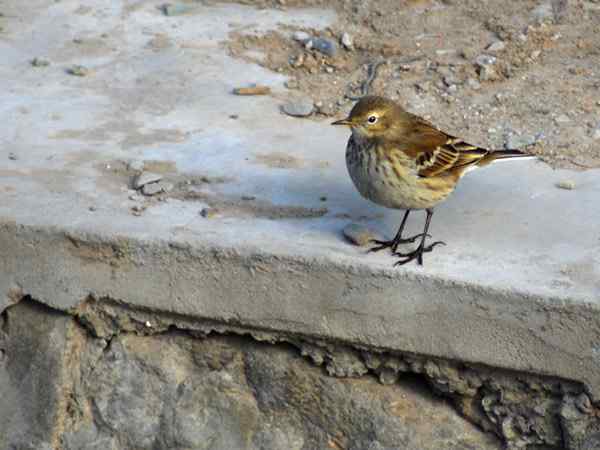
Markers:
point(401, 161)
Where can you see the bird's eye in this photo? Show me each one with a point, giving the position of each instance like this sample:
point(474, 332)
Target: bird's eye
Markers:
point(372, 119)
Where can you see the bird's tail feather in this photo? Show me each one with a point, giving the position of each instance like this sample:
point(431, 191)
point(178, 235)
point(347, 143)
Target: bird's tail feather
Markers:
point(497, 155)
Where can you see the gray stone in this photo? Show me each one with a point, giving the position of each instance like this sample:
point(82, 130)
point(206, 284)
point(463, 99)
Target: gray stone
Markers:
point(300, 107)
point(34, 344)
point(40, 62)
point(79, 71)
point(487, 73)
point(145, 178)
point(568, 185)
point(325, 46)
point(230, 393)
point(496, 46)
point(301, 36)
point(596, 133)
point(485, 60)
point(473, 83)
point(86, 437)
point(346, 41)
point(157, 188)
point(209, 213)
point(366, 410)
point(176, 9)
point(535, 54)
point(563, 118)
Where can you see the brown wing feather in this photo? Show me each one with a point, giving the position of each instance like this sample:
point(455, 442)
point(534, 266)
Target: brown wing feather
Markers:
point(436, 153)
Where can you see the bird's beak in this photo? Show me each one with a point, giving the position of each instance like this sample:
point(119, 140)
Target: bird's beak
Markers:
point(342, 122)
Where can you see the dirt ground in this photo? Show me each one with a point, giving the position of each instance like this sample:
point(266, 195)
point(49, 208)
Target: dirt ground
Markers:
point(540, 92)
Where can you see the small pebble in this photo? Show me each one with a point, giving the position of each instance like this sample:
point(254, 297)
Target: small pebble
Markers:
point(487, 73)
point(234, 116)
point(301, 107)
point(78, 71)
point(535, 54)
point(248, 197)
point(156, 188)
point(596, 134)
point(209, 213)
point(496, 46)
point(252, 90)
point(325, 46)
point(566, 184)
point(563, 118)
point(323, 198)
point(473, 83)
point(485, 60)
point(151, 189)
point(468, 53)
point(12, 156)
point(358, 234)
point(327, 109)
point(93, 208)
point(301, 36)
point(175, 10)
point(137, 210)
point(346, 41)
point(39, 62)
point(146, 177)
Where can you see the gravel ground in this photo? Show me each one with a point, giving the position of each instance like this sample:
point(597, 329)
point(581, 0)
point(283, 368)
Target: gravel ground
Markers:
point(501, 74)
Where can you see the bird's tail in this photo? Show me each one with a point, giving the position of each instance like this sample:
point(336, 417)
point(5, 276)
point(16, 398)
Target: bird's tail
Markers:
point(499, 155)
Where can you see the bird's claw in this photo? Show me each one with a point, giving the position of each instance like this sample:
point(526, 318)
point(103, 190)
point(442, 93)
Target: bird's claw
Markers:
point(415, 254)
point(394, 244)
point(380, 245)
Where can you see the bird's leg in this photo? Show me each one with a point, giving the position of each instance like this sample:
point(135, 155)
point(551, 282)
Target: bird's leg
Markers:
point(393, 244)
point(418, 253)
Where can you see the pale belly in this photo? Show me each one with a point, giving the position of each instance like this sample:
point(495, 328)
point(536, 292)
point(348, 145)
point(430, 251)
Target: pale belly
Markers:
point(383, 186)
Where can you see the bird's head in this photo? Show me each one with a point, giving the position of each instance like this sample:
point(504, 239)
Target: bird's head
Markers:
point(373, 117)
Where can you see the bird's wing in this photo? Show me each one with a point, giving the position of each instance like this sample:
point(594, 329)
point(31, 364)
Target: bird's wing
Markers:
point(437, 153)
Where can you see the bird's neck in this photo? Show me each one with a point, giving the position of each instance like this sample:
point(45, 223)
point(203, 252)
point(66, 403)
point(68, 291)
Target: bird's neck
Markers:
point(363, 140)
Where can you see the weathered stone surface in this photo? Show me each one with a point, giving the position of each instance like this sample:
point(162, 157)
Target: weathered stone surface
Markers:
point(175, 392)
point(33, 345)
point(113, 377)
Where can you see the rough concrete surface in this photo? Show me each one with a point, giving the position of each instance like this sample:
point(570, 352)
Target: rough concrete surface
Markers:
point(246, 230)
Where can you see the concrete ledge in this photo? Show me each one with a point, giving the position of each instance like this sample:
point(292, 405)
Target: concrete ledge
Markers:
point(355, 304)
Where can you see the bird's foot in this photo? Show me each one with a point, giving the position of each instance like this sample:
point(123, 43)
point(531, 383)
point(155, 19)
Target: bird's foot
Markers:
point(393, 244)
point(415, 254)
